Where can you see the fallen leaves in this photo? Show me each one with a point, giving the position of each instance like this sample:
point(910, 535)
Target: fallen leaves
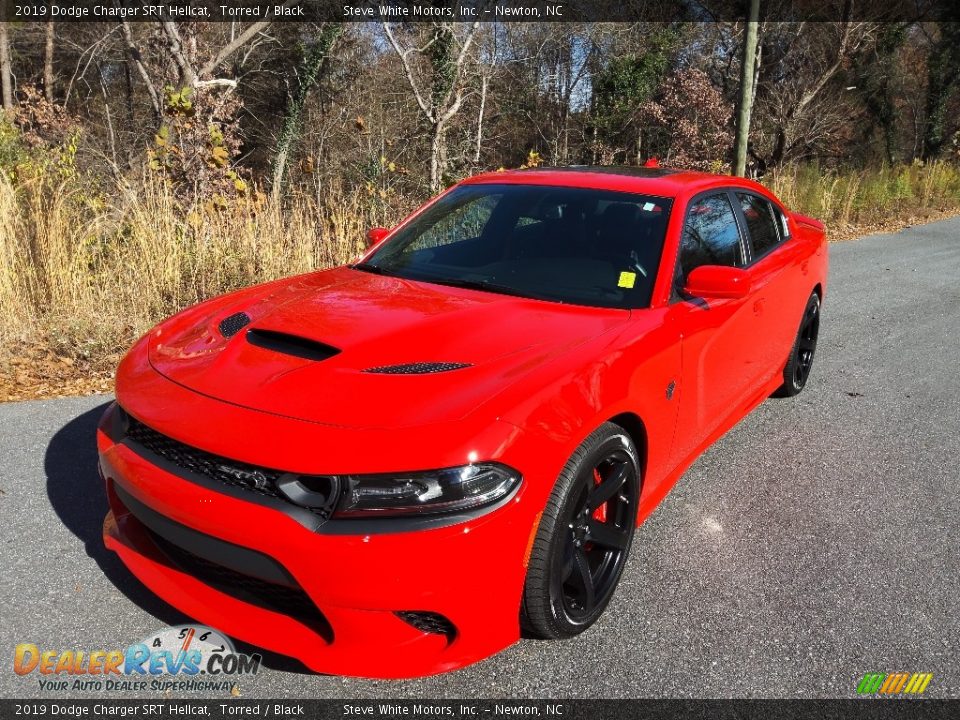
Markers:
point(888, 225)
point(27, 373)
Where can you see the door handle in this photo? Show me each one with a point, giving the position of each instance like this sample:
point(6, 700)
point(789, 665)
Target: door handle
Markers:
point(758, 306)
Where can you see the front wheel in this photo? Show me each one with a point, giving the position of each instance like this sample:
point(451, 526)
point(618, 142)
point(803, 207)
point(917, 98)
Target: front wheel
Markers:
point(798, 366)
point(584, 536)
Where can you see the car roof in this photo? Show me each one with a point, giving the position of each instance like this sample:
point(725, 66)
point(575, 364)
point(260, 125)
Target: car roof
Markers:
point(659, 181)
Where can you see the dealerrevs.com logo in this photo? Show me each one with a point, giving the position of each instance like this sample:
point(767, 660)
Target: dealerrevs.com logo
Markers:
point(898, 683)
point(197, 657)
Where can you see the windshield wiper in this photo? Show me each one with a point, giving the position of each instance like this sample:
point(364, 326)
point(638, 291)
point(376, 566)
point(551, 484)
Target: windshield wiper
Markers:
point(371, 268)
point(485, 285)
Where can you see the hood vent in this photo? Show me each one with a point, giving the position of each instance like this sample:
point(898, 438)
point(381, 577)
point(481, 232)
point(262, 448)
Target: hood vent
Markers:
point(232, 324)
point(287, 344)
point(418, 368)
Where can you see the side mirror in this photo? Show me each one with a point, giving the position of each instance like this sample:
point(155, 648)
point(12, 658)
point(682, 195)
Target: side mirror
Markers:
point(717, 281)
point(375, 235)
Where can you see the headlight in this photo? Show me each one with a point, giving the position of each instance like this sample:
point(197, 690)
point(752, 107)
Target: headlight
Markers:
point(422, 493)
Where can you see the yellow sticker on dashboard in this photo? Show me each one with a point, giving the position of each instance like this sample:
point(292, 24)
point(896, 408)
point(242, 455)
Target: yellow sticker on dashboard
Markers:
point(627, 280)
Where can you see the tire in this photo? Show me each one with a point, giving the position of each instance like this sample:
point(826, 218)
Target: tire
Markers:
point(797, 370)
point(584, 537)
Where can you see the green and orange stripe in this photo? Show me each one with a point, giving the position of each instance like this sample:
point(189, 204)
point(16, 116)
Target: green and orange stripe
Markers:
point(894, 683)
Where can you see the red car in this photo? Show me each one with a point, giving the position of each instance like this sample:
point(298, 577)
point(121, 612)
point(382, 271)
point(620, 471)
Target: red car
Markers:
point(388, 469)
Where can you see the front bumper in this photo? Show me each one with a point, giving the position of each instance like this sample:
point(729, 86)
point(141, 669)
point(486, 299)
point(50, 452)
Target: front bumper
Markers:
point(470, 573)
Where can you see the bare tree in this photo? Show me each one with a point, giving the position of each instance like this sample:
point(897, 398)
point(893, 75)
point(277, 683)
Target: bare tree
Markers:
point(435, 72)
point(389, 111)
point(137, 58)
point(311, 67)
point(803, 94)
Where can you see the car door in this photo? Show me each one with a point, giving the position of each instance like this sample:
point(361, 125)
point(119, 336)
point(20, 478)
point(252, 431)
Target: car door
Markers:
point(719, 338)
point(778, 299)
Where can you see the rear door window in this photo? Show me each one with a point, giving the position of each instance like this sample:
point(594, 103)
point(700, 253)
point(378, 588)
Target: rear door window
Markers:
point(762, 223)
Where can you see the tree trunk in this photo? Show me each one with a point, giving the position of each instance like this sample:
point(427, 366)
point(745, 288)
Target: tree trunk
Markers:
point(141, 68)
point(437, 156)
point(779, 145)
point(746, 91)
point(128, 76)
point(48, 63)
point(6, 71)
point(310, 73)
point(483, 103)
point(110, 132)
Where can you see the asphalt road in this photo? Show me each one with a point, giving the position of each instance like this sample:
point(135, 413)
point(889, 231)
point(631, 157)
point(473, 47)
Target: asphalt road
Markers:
point(815, 542)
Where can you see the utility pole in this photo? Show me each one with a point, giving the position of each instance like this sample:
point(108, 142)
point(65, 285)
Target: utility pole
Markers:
point(746, 91)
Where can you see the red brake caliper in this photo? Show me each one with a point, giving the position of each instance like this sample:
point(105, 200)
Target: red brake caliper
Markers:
point(600, 514)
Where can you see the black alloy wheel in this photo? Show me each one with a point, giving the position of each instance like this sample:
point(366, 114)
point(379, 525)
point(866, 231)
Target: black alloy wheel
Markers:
point(797, 370)
point(584, 537)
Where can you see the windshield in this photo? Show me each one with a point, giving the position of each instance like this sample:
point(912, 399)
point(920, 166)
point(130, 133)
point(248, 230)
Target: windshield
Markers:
point(574, 245)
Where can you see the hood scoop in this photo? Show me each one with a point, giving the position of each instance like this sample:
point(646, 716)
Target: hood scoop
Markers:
point(232, 324)
point(417, 368)
point(288, 344)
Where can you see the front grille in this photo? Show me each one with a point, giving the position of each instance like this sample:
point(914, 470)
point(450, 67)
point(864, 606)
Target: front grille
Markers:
point(417, 368)
point(229, 472)
point(314, 496)
point(292, 601)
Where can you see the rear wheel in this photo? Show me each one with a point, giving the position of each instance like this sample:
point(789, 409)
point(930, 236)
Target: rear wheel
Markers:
point(799, 364)
point(584, 536)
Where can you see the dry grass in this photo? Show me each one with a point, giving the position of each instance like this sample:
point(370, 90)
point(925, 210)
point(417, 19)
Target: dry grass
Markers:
point(82, 274)
point(83, 277)
point(853, 203)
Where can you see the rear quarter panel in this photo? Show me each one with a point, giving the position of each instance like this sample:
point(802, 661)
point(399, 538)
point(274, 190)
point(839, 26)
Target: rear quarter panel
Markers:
point(814, 258)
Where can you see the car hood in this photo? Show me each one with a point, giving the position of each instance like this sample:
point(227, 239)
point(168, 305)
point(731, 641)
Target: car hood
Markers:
point(359, 324)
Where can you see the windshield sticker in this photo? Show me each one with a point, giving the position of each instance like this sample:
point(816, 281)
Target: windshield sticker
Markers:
point(627, 280)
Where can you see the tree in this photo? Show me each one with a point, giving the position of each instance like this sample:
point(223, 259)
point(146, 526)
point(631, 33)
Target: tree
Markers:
point(48, 60)
point(695, 119)
point(310, 68)
point(943, 79)
point(435, 73)
point(387, 112)
point(745, 105)
point(875, 83)
point(137, 57)
point(197, 109)
point(619, 91)
point(803, 102)
point(6, 67)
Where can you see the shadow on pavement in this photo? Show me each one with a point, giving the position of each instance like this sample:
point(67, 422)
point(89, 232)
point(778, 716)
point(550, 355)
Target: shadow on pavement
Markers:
point(79, 500)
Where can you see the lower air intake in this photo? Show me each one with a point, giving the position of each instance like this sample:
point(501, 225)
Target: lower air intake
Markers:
point(428, 622)
point(291, 601)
